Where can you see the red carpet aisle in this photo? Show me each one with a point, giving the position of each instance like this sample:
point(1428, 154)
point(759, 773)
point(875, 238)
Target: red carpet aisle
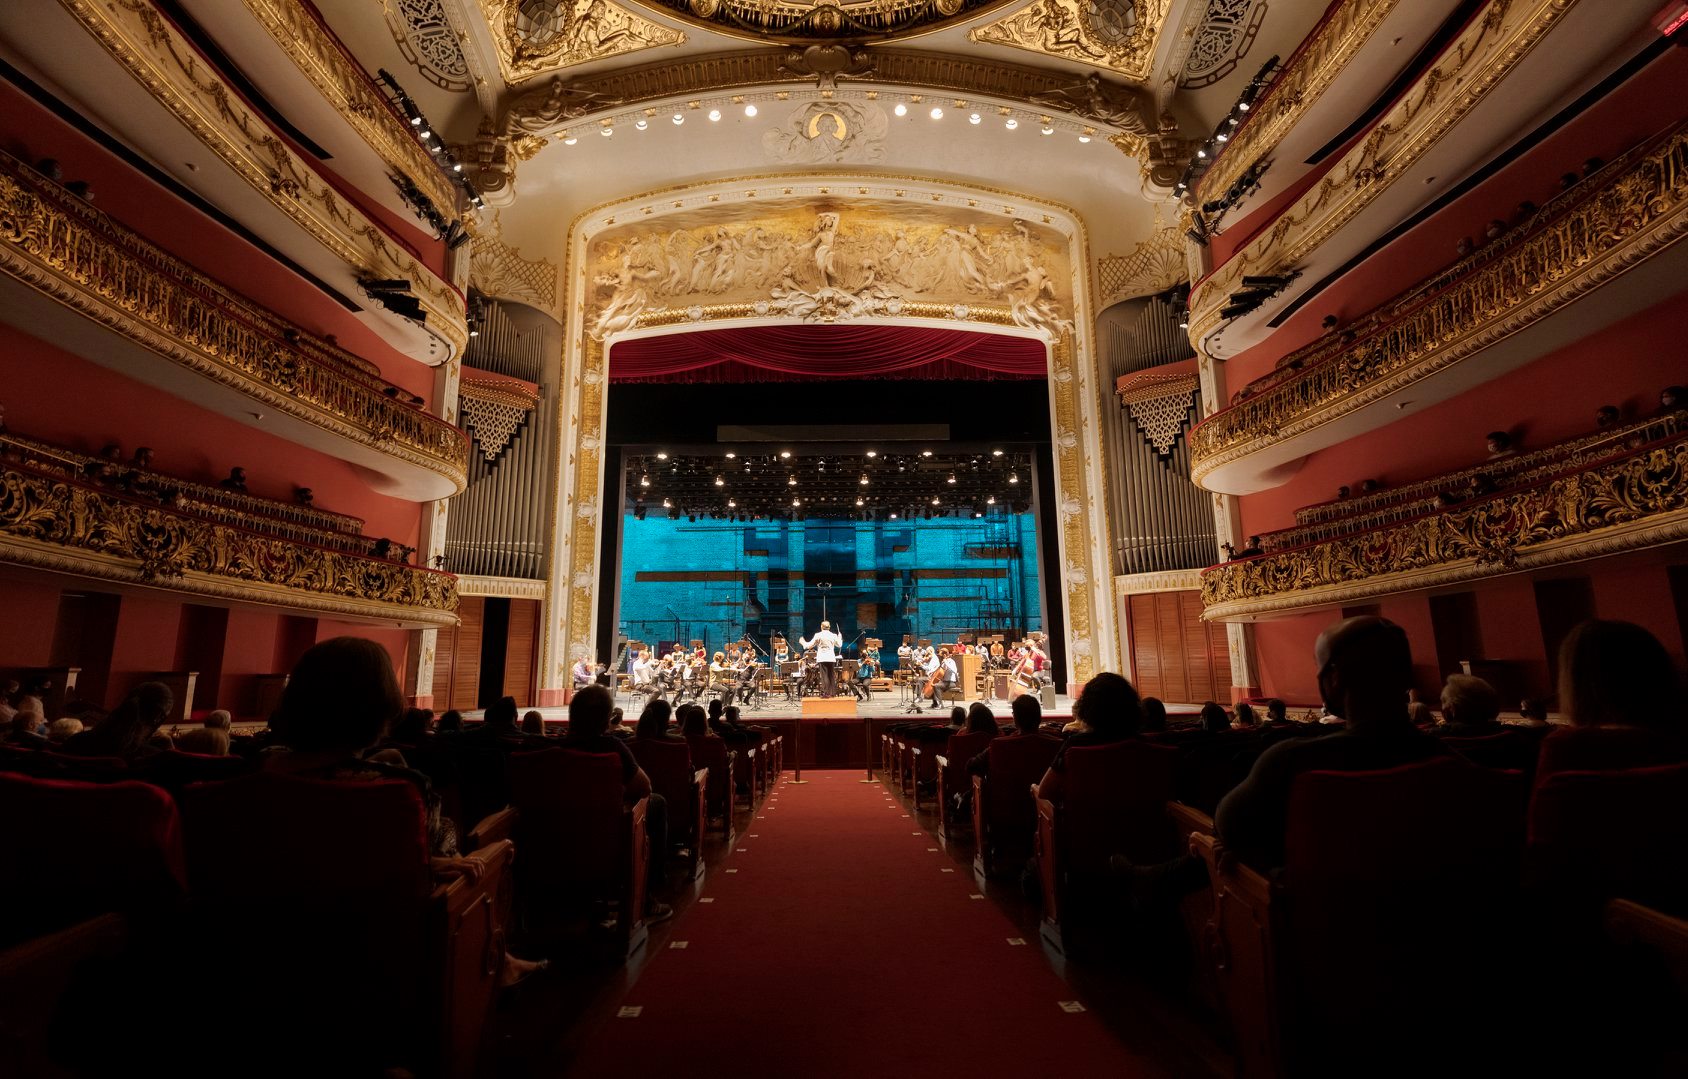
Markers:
point(835, 942)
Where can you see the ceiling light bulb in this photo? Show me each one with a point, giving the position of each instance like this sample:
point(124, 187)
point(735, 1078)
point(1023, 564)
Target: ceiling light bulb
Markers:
point(1084, 138)
point(974, 118)
point(1013, 477)
point(731, 504)
point(991, 501)
point(797, 502)
point(457, 168)
point(1242, 106)
point(1201, 154)
point(864, 479)
point(873, 453)
point(1047, 129)
point(925, 453)
point(416, 121)
point(1224, 138)
point(996, 453)
point(644, 481)
point(791, 481)
point(720, 482)
point(665, 505)
point(642, 123)
point(662, 456)
point(731, 455)
point(952, 477)
point(714, 114)
point(901, 109)
point(570, 141)
point(750, 110)
point(934, 500)
point(893, 517)
point(679, 118)
point(1011, 123)
point(425, 134)
point(937, 113)
point(785, 455)
point(606, 131)
point(860, 502)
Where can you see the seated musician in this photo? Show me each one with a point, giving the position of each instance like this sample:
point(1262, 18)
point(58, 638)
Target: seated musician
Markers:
point(945, 676)
point(585, 673)
point(782, 651)
point(869, 666)
point(999, 655)
point(719, 671)
point(643, 671)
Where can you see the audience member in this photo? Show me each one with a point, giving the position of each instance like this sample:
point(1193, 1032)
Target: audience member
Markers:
point(1532, 714)
point(1616, 674)
point(618, 727)
point(27, 731)
point(589, 721)
point(533, 723)
point(1277, 713)
point(1470, 708)
point(412, 727)
point(451, 722)
point(1111, 712)
point(981, 720)
point(653, 722)
point(211, 739)
point(62, 728)
point(128, 730)
point(1419, 712)
point(1028, 723)
point(1154, 715)
point(1214, 718)
point(1365, 668)
point(1245, 720)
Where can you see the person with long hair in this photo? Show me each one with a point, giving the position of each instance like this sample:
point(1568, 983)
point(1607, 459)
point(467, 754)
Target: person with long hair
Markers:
point(1110, 710)
point(1616, 674)
point(653, 722)
point(128, 729)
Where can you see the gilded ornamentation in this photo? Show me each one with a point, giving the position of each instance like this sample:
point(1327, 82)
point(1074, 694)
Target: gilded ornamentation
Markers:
point(1636, 208)
point(826, 64)
point(497, 269)
point(538, 36)
point(423, 32)
point(1640, 500)
point(1154, 265)
point(804, 259)
point(1136, 584)
point(63, 247)
point(1295, 90)
point(1160, 406)
point(818, 21)
point(168, 67)
point(57, 524)
point(1227, 30)
point(1472, 66)
point(1092, 99)
point(830, 132)
point(1118, 35)
point(494, 408)
point(297, 29)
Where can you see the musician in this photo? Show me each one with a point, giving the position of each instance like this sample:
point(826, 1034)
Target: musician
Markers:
point(944, 676)
point(906, 649)
point(826, 645)
point(585, 673)
point(868, 668)
point(999, 657)
point(1039, 661)
point(782, 651)
point(643, 670)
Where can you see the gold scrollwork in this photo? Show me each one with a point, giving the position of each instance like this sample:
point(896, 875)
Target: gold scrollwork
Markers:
point(1071, 30)
point(533, 39)
point(1637, 207)
point(61, 246)
point(1638, 500)
point(59, 524)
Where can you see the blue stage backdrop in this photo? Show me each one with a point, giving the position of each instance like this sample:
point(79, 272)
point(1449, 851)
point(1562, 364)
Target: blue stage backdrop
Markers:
point(713, 580)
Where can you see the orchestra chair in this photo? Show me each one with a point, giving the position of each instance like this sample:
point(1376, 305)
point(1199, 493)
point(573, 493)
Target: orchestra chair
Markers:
point(1004, 812)
point(1600, 749)
point(342, 932)
point(1115, 803)
point(669, 764)
point(952, 776)
point(1396, 887)
point(713, 754)
point(581, 842)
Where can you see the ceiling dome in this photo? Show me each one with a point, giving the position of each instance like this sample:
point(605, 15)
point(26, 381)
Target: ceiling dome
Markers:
point(811, 21)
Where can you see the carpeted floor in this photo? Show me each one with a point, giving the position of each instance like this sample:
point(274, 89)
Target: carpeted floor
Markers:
point(837, 941)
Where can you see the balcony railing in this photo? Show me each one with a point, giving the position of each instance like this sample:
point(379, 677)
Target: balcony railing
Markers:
point(61, 246)
point(1634, 208)
point(55, 523)
point(1632, 499)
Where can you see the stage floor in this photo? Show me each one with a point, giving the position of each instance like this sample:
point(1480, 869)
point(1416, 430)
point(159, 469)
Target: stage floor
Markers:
point(882, 706)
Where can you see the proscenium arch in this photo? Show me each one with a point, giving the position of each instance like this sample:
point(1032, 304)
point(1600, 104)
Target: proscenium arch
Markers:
point(629, 288)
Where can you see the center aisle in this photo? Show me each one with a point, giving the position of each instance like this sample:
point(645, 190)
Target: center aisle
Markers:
point(837, 940)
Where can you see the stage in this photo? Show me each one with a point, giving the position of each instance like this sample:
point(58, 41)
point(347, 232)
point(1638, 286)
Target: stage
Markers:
point(827, 741)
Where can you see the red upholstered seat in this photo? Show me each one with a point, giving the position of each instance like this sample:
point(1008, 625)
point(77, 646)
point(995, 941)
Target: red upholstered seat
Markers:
point(1508, 750)
point(1115, 803)
point(952, 774)
point(1004, 815)
point(1600, 835)
point(715, 755)
point(72, 851)
point(1597, 749)
point(669, 764)
point(174, 770)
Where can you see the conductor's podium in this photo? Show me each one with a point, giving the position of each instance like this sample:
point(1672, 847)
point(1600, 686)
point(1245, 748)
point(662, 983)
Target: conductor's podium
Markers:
point(829, 708)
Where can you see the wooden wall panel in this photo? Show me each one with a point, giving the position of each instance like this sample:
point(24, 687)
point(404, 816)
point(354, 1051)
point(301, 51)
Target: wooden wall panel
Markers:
point(466, 664)
point(520, 647)
point(1174, 654)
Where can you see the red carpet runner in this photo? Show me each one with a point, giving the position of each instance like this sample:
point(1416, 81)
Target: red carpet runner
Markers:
point(835, 942)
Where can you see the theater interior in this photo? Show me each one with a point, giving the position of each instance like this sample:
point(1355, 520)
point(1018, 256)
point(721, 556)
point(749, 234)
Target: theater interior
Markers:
point(549, 538)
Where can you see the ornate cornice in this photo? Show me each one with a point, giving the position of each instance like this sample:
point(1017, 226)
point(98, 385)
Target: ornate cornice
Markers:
point(1316, 64)
point(1154, 265)
point(167, 66)
point(506, 587)
point(55, 524)
point(1168, 580)
point(580, 34)
point(1624, 504)
point(1477, 61)
point(68, 251)
point(1070, 30)
point(808, 22)
point(318, 54)
point(1636, 208)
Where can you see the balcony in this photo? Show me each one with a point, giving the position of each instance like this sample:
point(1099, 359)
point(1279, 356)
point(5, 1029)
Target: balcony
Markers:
point(135, 528)
point(1599, 252)
point(73, 276)
point(1624, 500)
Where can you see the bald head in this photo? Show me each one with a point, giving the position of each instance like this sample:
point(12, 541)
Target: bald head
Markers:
point(1365, 668)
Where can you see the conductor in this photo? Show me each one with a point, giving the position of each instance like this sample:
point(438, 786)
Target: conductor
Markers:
point(826, 644)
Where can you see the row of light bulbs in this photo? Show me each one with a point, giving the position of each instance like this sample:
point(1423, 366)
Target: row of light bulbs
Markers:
point(1046, 125)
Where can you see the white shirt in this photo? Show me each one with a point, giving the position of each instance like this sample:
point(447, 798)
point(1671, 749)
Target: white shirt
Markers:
point(904, 651)
point(826, 644)
point(928, 660)
point(641, 671)
point(950, 674)
point(583, 673)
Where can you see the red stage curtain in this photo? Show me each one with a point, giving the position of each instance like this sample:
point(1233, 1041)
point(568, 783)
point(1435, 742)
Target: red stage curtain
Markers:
point(798, 353)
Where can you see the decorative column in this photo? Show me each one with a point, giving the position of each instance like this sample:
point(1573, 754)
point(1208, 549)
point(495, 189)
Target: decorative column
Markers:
point(430, 545)
point(1227, 528)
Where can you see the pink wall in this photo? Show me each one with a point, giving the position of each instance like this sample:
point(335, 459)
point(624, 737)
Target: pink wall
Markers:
point(30, 133)
point(29, 607)
point(248, 650)
point(146, 642)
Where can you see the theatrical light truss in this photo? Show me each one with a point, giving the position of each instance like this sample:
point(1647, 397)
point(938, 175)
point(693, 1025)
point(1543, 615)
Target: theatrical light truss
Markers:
point(884, 486)
point(443, 159)
point(394, 294)
point(1256, 290)
point(1203, 158)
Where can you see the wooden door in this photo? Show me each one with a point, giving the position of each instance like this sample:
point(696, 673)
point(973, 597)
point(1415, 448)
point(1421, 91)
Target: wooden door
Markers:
point(1174, 654)
point(521, 646)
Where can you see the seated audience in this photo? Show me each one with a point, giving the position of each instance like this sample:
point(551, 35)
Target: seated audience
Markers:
point(1470, 708)
point(1277, 713)
point(1365, 668)
point(653, 722)
point(589, 720)
point(1214, 718)
point(1532, 714)
point(27, 731)
point(212, 739)
point(1111, 712)
point(412, 727)
point(1154, 715)
point(1245, 720)
point(62, 728)
point(1419, 712)
point(1616, 674)
point(533, 723)
point(981, 720)
point(127, 732)
point(618, 727)
point(450, 722)
point(1028, 719)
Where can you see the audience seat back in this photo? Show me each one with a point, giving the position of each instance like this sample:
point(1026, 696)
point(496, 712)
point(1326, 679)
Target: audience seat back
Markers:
point(571, 834)
point(711, 753)
point(1115, 803)
point(1398, 885)
point(173, 769)
point(960, 749)
point(669, 765)
point(1211, 766)
point(1016, 764)
point(1513, 751)
point(1602, 749)
point(1599, 835)
point(73, 851)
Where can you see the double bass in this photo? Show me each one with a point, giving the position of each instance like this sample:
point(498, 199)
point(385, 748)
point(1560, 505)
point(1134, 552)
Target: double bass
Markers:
point(936, 679)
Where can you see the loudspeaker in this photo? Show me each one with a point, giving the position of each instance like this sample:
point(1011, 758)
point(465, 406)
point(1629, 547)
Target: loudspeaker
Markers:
point(1046, 698)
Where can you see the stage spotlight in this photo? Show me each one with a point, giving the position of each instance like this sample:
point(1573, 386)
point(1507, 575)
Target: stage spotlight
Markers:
point(662, 456)
point(731, 504)
point(863, 480)
point(934, 500)
point(861, 502)
point(666, 505)
point(644, 481)
point(720, 481)
point(1013, 477)
point(996, 453)
point(791, 481)
point(797, 502)
point(991, 501)
point(873, 453)
point(925, 453)
point(731, 455)
point(952, 477)
point(785, 455)
point(893, 517)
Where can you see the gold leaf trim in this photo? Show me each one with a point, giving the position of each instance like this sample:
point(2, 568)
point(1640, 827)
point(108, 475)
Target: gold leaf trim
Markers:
point(1066, 29)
